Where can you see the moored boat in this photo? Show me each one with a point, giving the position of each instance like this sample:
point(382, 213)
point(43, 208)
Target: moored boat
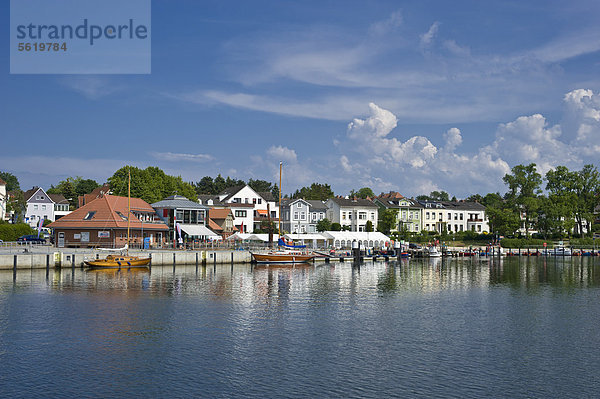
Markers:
point(118, 261)
point(283, 257)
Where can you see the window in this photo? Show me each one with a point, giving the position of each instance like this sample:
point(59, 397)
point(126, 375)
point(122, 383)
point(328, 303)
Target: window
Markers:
point(461, 227)
point(479, 227)
point(298, 205)
point(240, 214)
point(296, 216)
point(118, 213)
point(427, 216)
point(449, 216)
point(44, 207)
point(254, 200)
point(362, 215)
point(90, 215)
point(461, 216)
point(35, 207)
point(372, 215)
point(456, 216)
point(433, 215)
point(302, 215)
point(343, 215)
point(259, 201)
point(237, 200)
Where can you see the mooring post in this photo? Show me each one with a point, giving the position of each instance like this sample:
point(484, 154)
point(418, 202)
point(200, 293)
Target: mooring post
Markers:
point(73, 262)
point(47, 264)
point(150, 263)
point(15, 265)
point(196, 262)
point(173, 262)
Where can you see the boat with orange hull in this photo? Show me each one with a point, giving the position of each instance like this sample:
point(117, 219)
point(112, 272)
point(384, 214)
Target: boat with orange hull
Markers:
point(118, 262)
point(283, 257)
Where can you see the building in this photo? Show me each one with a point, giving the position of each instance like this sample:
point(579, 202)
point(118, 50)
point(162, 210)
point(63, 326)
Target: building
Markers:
point(454, 217)
point(96, 193)
point(301, 216)
point(43, 206)
point(3, 200)
point(104, 221)
point(249, 207)
point(221, 222)
point(353, 213)
point(191, 216)
point(408, 211)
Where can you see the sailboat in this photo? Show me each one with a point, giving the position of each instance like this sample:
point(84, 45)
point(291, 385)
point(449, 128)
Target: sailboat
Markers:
point(286, 253)
point(121, 261)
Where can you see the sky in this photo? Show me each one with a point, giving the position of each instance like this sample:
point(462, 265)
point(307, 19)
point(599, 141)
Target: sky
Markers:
point(393, 95)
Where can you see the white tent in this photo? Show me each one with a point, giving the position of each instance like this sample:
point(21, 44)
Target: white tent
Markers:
point(344, 239)
point(252, 237)
point(198, 230)
point(313, 240)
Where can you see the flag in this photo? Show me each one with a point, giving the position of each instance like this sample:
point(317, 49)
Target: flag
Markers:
point(178, 227)
point(40, 224)
point(242, 227)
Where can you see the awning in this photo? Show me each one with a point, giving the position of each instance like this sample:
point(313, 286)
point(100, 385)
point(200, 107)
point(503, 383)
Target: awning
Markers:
point(198, 230)
point(262, 212)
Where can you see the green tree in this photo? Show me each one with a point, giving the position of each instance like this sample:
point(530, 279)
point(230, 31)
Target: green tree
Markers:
point(523, 190)
point(73, 187)
point(364, 193)
point(260, 186)
point(587, 191)
point(150, 184)
point(387, 220)
point(335, 226)
point(439, 196)
point(316, 191)
point(12, 183)
point(16, 204)
point(369, 226)
point(324, 225)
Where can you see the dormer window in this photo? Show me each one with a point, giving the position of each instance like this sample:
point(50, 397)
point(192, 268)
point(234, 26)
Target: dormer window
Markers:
point(121, 215)
point(89, 215)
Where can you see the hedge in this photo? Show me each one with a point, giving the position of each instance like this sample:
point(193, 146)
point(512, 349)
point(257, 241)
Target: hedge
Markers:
point(10, 232)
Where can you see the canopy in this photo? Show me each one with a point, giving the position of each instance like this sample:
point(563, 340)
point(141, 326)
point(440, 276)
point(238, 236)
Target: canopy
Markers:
point(306, 237)
point(343, 239)
point(252, 237)
point(198, 230)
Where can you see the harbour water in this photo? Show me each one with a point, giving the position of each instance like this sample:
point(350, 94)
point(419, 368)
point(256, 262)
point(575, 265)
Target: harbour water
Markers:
point(460, 328)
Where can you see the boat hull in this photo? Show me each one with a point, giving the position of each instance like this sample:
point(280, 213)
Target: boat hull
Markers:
point(282, 258)
point(118, 262)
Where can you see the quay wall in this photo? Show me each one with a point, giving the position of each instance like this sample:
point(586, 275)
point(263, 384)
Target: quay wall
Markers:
point(70, 258)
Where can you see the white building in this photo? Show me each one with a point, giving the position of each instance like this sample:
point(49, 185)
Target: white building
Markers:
point(3, 200)
point(354, 213)
point(301, 216)
point(249, 208)
point(454, 217)
point(41, 205)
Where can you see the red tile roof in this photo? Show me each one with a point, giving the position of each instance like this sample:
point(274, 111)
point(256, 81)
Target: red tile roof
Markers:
point(106, 216)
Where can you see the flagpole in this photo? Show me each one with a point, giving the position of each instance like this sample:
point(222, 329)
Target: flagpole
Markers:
point(279, 221)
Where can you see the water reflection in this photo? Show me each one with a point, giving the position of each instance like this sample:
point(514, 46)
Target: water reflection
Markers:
point(319, 282)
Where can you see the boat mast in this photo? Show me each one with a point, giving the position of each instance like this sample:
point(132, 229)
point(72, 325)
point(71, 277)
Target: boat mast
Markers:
point(128, 204)
point(279, 221)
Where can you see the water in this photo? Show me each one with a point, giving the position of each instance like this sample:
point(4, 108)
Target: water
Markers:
point(462, 328)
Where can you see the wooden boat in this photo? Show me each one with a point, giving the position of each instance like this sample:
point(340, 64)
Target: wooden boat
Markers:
point(120, 261)
point(283, 257)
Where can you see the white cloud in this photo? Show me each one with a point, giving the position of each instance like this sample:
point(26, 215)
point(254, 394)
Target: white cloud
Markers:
point(283, 154)
point(392, 22)
point(92, 87)
point(177, 157)
point(427, 37)
point(453, 138)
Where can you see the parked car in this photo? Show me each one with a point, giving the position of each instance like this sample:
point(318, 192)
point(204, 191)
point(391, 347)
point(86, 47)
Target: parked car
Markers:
point(31, 238)
point(414, 246)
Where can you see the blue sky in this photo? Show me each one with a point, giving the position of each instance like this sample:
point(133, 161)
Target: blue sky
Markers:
point(403, 96)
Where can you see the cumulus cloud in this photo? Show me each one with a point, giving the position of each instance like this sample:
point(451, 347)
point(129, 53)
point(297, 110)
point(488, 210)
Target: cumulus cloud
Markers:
point(387, 25)
point(582, 120)
point(453, 138)
point(282, 153)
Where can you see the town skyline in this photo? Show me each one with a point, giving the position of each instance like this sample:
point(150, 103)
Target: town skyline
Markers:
point(385, 95)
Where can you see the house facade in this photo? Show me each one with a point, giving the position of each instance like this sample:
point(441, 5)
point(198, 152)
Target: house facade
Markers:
point(42, 206)
point(353, 213)
point(454, 217)
point(3, 200)
point(408, 211)
point(295, 216)
point(249, 208)
point(191, 217)
point(104, 223)
point(221, 222)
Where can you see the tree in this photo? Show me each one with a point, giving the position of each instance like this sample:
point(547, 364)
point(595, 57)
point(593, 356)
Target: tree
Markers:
point(260, 186)
point(73, 187)
point(335, 226)
point(587, 191)
point(369, 226)
point(387, 220)
point(17, 205)
point(150, 184)
point(323, 225)
point(434, 196)
point(12, 183)
point(316, 191)
point(524, 187)
point(364, 193)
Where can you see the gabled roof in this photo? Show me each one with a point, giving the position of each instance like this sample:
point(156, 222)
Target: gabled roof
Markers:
point(394, 203)
point(391, 195)
point(317, 205)
point(58, 198)
point(31, 192)
point(267, 196)
point(231, 191)
point(105, 213)
point(217, 214)
point(346, 202)
point(178, 202)
point(204, 198)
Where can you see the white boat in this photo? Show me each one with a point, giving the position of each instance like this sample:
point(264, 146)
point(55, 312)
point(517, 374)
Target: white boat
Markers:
point(433, 252)
point(558, 251)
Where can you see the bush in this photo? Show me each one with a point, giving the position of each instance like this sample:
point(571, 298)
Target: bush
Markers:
point(524, 243)
point(10, 232)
